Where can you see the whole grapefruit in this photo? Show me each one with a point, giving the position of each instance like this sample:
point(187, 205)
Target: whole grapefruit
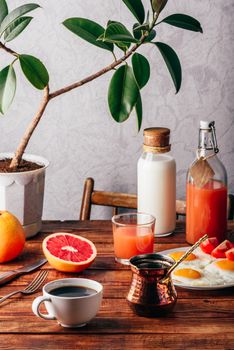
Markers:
point(12, 237)
point(69, 252)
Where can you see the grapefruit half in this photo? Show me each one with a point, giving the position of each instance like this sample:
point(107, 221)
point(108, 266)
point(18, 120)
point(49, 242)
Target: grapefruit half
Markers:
point(68, 252)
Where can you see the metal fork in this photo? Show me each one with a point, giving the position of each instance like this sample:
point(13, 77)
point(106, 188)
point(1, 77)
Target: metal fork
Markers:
point(31, 287)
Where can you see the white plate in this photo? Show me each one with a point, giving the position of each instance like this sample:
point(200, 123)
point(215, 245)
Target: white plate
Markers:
point(183, 285)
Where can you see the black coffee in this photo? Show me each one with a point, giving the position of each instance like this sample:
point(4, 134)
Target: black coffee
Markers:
point(72, 291)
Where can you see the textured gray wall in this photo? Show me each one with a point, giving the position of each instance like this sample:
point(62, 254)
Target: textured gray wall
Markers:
point(77, 133)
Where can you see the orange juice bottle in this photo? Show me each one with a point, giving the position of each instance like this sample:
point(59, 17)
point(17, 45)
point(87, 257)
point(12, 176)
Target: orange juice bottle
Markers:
point(206, 190)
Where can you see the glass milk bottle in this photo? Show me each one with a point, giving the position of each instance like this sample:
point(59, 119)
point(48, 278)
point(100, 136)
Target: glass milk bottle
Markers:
point(156, 180)
point(206, 190)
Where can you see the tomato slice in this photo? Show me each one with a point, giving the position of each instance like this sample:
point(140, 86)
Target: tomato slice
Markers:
point(209, 244)
point(230, 254)
point(219, 251)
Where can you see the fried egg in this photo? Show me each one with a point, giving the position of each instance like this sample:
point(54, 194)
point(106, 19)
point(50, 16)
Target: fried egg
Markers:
point(195, 277)
point(200, 269)
point(193, 260)
point(207, 258)
point(176, 255)
point(190, 276)
point(222, 268)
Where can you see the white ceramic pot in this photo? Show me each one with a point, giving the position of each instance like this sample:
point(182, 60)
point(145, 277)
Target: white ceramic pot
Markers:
point(22, 193)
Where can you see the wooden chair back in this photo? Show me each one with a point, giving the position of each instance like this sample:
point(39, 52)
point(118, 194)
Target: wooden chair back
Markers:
point(104, 198)
point(125, 200)
point(112, 199)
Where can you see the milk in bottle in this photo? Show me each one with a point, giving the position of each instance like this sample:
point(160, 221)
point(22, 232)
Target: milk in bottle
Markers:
point(156, 180)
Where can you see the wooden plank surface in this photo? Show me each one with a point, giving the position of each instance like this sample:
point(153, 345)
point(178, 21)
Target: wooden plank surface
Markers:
point(115, 341)
point(200, 320)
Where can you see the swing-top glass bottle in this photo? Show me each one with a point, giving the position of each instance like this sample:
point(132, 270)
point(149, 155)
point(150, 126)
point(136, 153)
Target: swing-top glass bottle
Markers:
point(206, 205)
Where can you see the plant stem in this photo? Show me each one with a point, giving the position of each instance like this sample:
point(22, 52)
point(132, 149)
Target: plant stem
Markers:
point(29, 131)
point(115, 58)
point(104, 70)
point(49, 96)
point(95, 75)
point(7, 49)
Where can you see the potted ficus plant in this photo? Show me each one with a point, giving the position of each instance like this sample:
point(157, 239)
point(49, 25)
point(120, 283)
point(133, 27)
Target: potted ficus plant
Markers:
point(22, 175)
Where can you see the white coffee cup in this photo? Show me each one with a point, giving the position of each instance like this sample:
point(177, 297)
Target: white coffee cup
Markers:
point(69, 311)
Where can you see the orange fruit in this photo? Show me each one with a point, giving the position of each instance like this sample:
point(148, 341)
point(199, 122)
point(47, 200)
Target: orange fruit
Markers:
point(12, 237)
point(68, 252)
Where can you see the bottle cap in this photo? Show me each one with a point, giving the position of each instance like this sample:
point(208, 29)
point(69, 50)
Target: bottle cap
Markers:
point(204, 124)
point(157, 140)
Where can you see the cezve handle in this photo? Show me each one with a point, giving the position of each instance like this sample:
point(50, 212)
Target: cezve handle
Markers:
point(8, 276)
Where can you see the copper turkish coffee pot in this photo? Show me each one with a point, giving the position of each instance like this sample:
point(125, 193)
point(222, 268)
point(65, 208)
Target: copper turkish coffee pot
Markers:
point(152, 292)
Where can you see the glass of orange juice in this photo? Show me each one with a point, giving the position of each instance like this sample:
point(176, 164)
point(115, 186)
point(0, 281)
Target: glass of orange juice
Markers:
point(133, 234)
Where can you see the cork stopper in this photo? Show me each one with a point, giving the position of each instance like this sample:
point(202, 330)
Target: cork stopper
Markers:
point(157, 140)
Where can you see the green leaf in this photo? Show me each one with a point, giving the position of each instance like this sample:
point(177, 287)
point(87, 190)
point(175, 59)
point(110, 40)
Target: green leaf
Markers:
point(3, 10)
point(183, 21)
point(16, 28)
point(141, 69)
point(173, 64)
point(137, 9)
point(150, 37)
point(139, 112)
point(34, 70)
point(138, 34)
point(144, 26)
point(122, 94)
point(121, 45)
point(118, 33)
point(87, 30)
point(158, 5)
point(7, 87)
point(16, 13)
point(147, 16)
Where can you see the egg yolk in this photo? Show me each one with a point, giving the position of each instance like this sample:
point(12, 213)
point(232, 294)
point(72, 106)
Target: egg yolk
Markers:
point(225, 264)
point(188, 273)
point(177, 255)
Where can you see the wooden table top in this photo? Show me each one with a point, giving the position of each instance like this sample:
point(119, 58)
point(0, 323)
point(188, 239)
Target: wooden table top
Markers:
point(200, 320)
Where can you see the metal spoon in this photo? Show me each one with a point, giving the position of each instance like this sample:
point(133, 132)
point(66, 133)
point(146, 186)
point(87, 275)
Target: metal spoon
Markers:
point(184, 256)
